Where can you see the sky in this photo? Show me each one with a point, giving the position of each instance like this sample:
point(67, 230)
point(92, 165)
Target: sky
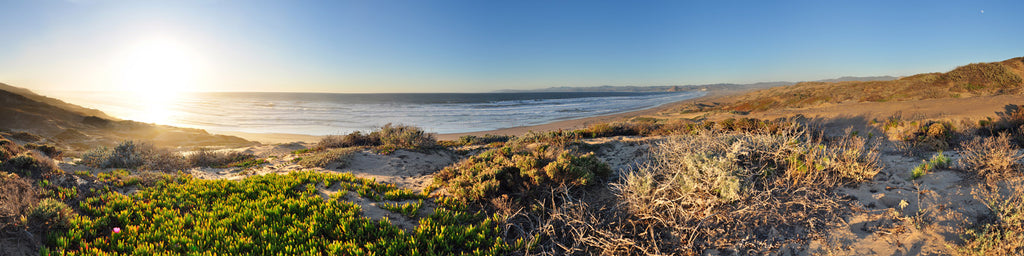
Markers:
point(480, 46)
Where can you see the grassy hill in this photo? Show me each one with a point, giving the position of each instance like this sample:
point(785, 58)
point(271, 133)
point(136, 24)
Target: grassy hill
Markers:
point(76, 128)
point(977, 79)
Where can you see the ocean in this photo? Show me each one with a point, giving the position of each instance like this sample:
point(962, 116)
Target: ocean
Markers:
point(338, 113)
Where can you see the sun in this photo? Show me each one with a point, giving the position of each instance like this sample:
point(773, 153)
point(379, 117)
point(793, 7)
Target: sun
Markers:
point(155, 71)
point(158, 64)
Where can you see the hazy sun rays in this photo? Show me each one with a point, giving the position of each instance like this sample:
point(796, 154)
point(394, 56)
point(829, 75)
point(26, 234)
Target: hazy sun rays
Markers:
point(154, 72)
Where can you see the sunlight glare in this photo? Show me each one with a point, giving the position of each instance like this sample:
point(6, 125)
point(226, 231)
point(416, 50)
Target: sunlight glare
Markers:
point(155, 72)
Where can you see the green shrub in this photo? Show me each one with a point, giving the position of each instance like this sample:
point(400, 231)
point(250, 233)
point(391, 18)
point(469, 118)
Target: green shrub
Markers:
point(389, 136)
point(920, 170)
point(938, 160)
point(51, 214)
point(522, 169)
point(404, 136)
point(468, 140)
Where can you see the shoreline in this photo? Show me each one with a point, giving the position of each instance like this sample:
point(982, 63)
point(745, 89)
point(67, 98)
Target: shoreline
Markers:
point(572, 124)
point(585, 122)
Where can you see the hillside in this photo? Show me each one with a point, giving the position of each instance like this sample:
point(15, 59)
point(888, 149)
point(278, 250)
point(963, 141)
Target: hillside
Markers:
point(76, 128)
point(703, 87)
point(977, 79)
point(54, 102)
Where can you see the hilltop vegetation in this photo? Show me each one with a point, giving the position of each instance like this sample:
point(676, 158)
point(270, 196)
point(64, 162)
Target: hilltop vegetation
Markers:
point(978, 79)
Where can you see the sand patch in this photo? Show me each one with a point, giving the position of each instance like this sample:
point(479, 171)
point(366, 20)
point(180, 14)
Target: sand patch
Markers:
point(407, 169)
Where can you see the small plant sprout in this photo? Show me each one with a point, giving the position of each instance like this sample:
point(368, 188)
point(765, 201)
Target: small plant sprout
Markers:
point(921, 170)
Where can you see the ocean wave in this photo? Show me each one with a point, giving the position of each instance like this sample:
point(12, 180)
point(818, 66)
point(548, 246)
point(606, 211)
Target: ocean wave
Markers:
point(319, 114)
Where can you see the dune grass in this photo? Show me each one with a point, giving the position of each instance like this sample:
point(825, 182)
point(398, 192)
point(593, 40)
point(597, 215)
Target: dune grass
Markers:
point(743, 191)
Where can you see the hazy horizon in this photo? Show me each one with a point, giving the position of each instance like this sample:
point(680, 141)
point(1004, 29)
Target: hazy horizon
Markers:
point(158, 47)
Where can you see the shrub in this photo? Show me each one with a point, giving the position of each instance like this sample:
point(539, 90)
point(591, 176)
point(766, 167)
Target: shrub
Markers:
point(17, 196)
point(404, 136)
point(743, 191)
point(48, 150)
point(134, 155)
point(9, 149)
point(31, 164)
point(522, 169)
point(990, 157)
point(324, 158)
point(51, 214)
point(634, 128)
point(468, 140)
point(1004, 233)
point(354, 139)
point(1010, 121)
point(26, 137)
point(388, 136)
point(204, 157)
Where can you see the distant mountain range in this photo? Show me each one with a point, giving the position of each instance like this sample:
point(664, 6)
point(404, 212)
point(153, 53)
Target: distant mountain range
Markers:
point(685, 88)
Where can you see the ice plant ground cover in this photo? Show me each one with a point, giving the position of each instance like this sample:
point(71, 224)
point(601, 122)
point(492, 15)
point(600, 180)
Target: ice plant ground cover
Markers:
point(268, 215)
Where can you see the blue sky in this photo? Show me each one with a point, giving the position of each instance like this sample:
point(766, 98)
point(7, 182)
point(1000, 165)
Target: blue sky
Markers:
point(476, 46)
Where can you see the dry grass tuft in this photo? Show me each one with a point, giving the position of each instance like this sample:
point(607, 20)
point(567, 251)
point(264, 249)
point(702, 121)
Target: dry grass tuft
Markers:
point(991, 157)
point(17, 197)
point(745, 192)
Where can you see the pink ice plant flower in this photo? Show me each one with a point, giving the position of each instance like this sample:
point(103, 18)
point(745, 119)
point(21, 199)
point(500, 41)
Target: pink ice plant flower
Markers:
point(117, 230)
